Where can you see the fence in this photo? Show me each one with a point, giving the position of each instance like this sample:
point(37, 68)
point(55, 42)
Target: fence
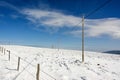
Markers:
point(36, 76)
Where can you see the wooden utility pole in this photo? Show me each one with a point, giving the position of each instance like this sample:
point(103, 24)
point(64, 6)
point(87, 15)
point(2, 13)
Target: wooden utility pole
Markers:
point(58, 44)
point(82, 39)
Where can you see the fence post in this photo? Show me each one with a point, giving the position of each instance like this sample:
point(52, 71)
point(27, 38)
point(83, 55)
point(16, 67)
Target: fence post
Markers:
point(0, 48)
point(38, 72)
point(4, 51)
point(9, 55)
point(18, 64)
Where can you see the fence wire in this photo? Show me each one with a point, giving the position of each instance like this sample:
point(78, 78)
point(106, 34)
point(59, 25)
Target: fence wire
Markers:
point(28, 64)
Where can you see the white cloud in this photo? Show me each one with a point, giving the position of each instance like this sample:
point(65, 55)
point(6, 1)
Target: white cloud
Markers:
point(93, 27)
point(8, 5)
point(107, 26)
point(52, 21)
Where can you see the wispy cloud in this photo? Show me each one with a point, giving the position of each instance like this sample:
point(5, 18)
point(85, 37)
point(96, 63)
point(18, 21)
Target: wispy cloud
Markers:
point(14, 16)
point(99, 27)
point(107, 26)
point(8, 5)
point(52, 21)
point(94, 27)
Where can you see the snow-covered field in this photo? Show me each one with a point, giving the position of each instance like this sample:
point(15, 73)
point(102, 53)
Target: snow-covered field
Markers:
point(59, 65)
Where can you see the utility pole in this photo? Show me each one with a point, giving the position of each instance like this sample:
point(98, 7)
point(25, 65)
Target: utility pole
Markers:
point(82, 38)
point(58, 43)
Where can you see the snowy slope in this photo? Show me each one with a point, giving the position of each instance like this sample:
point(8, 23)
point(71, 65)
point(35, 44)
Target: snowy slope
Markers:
point(59, 65)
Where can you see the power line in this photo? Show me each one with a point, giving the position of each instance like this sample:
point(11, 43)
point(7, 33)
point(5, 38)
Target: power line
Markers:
point(92, 12)
point(101, 6)
point(95, 10)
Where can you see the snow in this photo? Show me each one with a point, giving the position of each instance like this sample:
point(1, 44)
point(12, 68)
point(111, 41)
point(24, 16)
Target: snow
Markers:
point(58, 64)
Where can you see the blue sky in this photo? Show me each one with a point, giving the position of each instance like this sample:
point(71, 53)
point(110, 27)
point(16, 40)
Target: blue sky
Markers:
point(52, 22)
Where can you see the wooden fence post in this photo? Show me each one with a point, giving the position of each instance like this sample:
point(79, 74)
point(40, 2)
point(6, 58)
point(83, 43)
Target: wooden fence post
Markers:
point(38, 72)
point(9, 55)
point(18, 64)
point(0, 48)
point(4, 51)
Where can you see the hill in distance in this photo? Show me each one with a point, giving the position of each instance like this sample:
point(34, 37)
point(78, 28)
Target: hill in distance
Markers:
point(113, 52)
